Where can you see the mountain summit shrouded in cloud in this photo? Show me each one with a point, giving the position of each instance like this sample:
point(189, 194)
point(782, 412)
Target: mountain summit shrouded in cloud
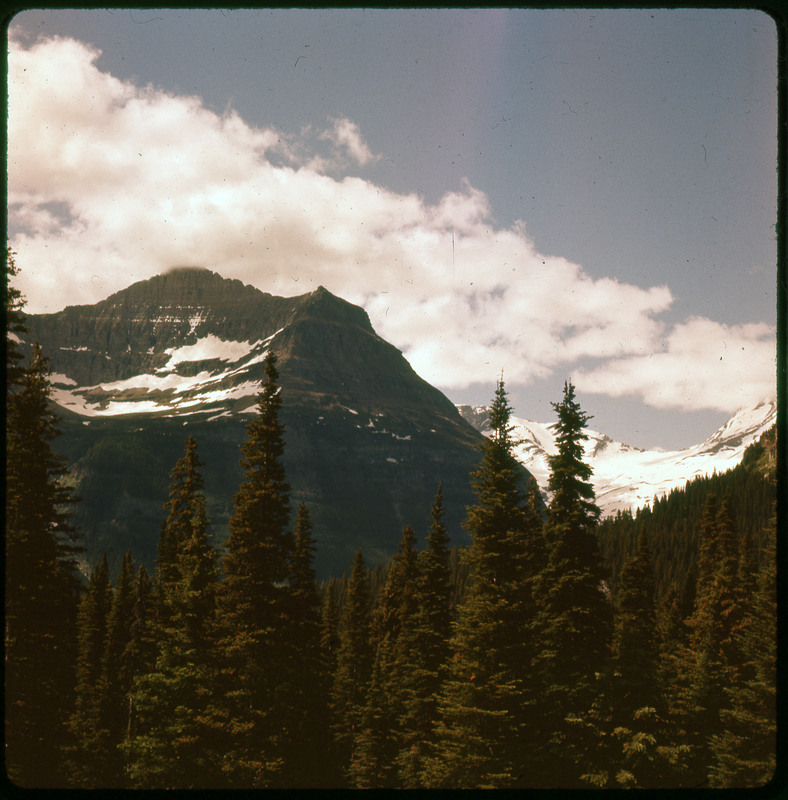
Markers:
point(110, 181)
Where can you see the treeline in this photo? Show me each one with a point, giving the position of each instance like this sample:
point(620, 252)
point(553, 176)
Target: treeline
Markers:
point(671, 523)
point(513, 667)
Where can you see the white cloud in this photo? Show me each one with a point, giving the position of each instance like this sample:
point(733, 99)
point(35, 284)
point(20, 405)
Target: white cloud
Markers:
point(346, 134)
point(701, 364)
point(111, 183)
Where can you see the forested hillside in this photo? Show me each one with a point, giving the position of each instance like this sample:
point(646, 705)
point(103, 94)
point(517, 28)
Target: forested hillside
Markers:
point(671, 524)
point(554, 651)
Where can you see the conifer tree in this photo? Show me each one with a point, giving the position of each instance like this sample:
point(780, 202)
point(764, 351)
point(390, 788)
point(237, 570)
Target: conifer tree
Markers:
point(41, 590)
point(252, 608)
point(87, 721)
point(715, 660)
point(308, 751)
point(115, 679)
point(650, 758)
point(745, 750)
point(186, 484)
point(354, 664)
point(575, 617)
point(425, 652)
point(171, 744)
point(371, 764)
point(329, 629)
point(485, 704)
point(392, 628)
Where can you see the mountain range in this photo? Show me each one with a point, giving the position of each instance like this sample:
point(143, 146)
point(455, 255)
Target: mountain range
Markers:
point(628, 478)
point(367, 441)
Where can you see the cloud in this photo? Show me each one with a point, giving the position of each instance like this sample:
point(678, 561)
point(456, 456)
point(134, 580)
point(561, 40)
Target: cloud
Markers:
point(346, 134)
point(701, 364)
point(110, 183)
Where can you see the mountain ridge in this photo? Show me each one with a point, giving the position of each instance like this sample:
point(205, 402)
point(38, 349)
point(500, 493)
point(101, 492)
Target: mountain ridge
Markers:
point(367, 441)
point(626, 477)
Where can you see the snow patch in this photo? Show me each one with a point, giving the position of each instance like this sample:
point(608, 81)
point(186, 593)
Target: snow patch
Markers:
point(206, 349)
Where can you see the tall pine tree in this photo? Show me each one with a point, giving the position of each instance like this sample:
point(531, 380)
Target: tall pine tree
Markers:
point(41, 589)
point(354, 665)
point(485, 701)
point(172, 741)
point(253, 598)
point(425, 652)
point(575, 617)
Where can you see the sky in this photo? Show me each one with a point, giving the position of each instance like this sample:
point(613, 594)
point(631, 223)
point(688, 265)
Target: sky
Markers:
point(547, 195)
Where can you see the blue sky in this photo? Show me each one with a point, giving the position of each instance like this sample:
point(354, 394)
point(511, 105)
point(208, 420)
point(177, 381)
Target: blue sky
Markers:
point(555, 193)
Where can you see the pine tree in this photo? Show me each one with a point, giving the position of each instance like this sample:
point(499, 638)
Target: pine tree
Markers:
point(253, 602)
point(354, 664)
point(115, 680)
point(715, 662)
point(87, 721)
point(745, 751)
point(171, 745)
point(308, 751)
point(485, 704)
point(392, 627)
point(41, 590)
point(186, 485)
point(425, 652)
point(650, 758)
point(575, 616)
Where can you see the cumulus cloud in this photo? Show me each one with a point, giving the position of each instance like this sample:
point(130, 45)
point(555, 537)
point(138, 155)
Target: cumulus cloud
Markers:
point(110, 182)
point(700, 364)
point(345, 133)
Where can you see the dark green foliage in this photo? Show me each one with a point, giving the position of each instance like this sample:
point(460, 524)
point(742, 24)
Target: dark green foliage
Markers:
point(572, 505)
point(379, 737)
point(354, 664)
point(41, 589)
point(308, 752)
point(575, 615)
point(485, 703)
point(424, 652)
point(88, 721)
point(253, 603)
point(186, 485)
point(672, 525)
point(745, 751)
point(116, 676)
point(172, 738)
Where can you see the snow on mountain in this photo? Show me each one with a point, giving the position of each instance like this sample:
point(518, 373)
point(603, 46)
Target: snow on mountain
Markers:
point(223, 376)
point(627, 477)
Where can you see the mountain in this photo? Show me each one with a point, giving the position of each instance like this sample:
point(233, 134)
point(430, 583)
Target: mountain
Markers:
point(627, 477)
point(366, 439)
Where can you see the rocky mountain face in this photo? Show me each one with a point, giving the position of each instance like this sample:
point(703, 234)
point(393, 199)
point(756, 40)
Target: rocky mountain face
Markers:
point(627, 477)
point(366, 440)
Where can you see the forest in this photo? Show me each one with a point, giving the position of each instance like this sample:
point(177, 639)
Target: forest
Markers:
point(556, 650)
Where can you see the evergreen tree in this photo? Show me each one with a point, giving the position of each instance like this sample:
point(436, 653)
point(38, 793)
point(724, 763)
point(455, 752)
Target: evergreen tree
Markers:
point(649, 756)
point(87, 721)
point(575, 616)
point(392, 627)
point(425, 652)
point(636, 642)
point(41, 590)
point(172, 740)
point(745, 751)
point(186, 485)
point(308, 753)
point(715, 661)
point(253, 599)
point(486, 701)
point(371, 765)
point(354, 664)
point(115, 680)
